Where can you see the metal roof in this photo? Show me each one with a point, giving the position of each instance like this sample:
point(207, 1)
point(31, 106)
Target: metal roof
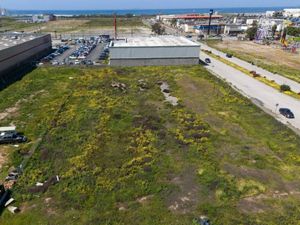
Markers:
point(11, 39)
point(157, 41)
point(197, 16)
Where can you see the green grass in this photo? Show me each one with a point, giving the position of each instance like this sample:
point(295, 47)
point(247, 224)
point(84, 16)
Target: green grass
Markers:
point(128, 157)
point(262, 62)
point(95, 22)
point(10, 24)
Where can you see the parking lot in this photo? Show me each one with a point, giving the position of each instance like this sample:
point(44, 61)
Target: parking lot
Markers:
point(87, 51)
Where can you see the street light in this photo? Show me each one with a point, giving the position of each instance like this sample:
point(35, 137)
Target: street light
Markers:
point(211, 12)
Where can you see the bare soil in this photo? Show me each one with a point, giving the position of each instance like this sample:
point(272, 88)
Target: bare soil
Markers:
point(185, 199)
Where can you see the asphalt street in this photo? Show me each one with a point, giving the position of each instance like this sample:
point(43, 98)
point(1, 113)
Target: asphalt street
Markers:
point(266, 97)
point(295, 86)
point(95, 53)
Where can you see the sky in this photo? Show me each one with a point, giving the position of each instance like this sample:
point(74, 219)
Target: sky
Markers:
point(140, 4)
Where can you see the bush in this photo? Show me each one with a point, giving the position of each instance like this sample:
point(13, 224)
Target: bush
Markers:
point(285, 87)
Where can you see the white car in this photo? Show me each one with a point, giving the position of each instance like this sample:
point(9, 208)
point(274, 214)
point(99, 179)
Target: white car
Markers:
point(77, 62)
point(81, 57)
point(55, 63)
point(72, 57)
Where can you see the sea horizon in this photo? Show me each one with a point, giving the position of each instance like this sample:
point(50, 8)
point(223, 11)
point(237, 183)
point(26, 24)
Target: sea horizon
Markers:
point(148, 11)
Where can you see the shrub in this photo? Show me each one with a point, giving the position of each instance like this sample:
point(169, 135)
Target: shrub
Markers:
point(285, 87)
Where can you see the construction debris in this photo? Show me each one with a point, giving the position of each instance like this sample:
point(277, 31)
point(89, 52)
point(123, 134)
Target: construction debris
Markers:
point(43, 187)
point(118, 85)
point(165, 89)
point(13, 209)
point(142, 84)
point(11, 200)
point(39, 184)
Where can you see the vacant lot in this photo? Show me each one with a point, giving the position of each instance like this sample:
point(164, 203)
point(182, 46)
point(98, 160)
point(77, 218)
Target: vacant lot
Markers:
point(272, 58)
point(92, 25)
point(10, 24)
point(125, 156)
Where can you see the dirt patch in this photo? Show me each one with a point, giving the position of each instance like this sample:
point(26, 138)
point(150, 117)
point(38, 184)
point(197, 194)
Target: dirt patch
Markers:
point(186, 198)
point(191, 91)
point(262, 175)
point(144, 200)
point(13, 110)
point(249, 206)
point(258, 204)
point(4, 151)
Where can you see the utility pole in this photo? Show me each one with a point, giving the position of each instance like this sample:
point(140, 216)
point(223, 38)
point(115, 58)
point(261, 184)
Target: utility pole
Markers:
point(211, 12)
point(115, 24)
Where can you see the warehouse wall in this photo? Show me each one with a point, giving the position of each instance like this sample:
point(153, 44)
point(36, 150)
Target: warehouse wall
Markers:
point(154, 62)
point(154, 52)
point(16, 56)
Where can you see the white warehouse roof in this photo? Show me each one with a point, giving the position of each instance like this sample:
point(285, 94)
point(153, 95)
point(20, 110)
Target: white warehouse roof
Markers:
point(160, 47)
point(157, 41)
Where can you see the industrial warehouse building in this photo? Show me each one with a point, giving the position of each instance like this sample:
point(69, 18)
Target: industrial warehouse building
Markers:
point(159, 50)
point(17, 50)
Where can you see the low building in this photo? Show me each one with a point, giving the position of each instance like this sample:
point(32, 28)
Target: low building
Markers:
point(291, 12)
point(234, 29)
point(17, 50)
point(159, 50)
point(214, 28)
point(3, 12)
point(44, 18)
point(270, 14)
point(268, 23)
point(249, 22)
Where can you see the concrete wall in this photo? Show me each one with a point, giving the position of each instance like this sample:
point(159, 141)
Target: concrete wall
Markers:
point(154, 62)
point(154, 52)
point(18, 55)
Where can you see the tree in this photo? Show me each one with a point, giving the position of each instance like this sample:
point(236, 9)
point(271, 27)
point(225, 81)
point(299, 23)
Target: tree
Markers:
point(251, 33)
point(293, 31)
point(284, 88)
point(158, 29)
point(173, 22)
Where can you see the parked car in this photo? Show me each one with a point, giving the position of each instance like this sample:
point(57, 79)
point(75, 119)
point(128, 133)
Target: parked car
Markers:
point(55, 63)
point(12, 137)
point(207, 60)
point(229, 55)
point(89, 62)
point(287, 113)
point(12, 176)
point(202, 220)
point(76, 62)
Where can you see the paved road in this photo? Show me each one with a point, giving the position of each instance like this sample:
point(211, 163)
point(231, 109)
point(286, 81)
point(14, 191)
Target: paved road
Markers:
point(295, 86)
point(65, 55)
point(261, 94)
point(95, 53)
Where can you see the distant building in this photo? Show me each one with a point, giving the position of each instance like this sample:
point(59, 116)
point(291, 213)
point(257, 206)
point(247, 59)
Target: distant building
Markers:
point(159, 50)
point(268, 23)
point(270, 14)
point(214, 28)
point(234, 29)
point(44, 18)
point(188, 17)
point(3, 12)
point(249, 22)
point(291, 12)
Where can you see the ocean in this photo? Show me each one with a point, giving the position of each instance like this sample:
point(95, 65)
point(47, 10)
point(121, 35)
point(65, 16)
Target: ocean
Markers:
point(145, 11)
